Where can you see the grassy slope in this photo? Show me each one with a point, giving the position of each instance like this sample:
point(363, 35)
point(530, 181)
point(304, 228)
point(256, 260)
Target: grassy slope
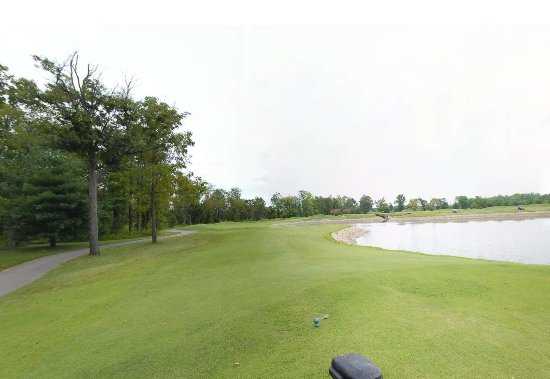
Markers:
point(192, 306)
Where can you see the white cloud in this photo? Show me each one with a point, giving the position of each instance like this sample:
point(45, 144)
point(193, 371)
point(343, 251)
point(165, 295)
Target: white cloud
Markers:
point(423, 110)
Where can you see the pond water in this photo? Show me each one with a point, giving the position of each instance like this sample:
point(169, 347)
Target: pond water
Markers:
point(523, 241)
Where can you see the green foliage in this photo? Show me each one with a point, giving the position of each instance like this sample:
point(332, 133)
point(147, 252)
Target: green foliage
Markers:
point(382, 205)
point(42, 191)
point(438, 203)
point(84, 109)
point(235, 205)
point(41, 188)
point(135, 147)
point(257, 208)
point(400, 202)
point(365, 204)
point(215, 206)
point(55, 198)
point(187, 205)
point(308, 207)
point(464, 202)
point(161, 150)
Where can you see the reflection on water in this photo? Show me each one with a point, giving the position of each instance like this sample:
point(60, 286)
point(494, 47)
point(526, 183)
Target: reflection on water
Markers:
point(524, 241)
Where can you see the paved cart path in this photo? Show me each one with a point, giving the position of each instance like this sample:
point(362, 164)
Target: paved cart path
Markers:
point(18, 276)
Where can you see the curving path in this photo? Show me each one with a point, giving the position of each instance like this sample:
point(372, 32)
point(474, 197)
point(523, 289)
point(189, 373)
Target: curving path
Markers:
point(18, 276)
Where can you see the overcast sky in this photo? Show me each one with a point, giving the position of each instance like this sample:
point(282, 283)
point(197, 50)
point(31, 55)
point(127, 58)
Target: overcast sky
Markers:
point(420, 110)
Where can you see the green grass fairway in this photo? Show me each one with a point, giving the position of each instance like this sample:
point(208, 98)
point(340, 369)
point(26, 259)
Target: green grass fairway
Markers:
point(194, 306)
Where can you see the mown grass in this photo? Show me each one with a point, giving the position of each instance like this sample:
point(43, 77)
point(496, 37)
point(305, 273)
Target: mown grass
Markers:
point(237, 300)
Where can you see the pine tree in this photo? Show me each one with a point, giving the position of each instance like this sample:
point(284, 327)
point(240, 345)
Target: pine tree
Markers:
point(55, 198)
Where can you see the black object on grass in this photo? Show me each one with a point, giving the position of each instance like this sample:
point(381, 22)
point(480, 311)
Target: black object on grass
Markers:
point(354, 366)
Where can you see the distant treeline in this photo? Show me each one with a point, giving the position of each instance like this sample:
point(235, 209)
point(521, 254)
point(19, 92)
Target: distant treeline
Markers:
point(465, 202)
point(80, 160)
point(219, 205)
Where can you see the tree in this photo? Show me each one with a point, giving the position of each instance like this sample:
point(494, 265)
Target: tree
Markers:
point(382, 206)
point(413, 204)
point(290, 206)
point(478, 202)
point(215, 205)
point(55, 194)
point(350, 204)
point(236, 210)
point(438, 203)
point(423, 204)
point(276, 204)
point(400, 202)
point(162, 148)
point(307, 203)
point(462, 202)
point(10, 160)
point(85, 122)
point(41, 188)
point(258, 209)
point(186, 201)
point(365, 204)
point(324, 205)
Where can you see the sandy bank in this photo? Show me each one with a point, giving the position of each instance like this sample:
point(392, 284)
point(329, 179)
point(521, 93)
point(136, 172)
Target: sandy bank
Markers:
point(349, 235)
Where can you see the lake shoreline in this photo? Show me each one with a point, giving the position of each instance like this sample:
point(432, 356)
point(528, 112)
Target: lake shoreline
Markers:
point(350, 234)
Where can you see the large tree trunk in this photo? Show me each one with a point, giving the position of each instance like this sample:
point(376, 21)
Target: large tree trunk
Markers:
point(12, 241)
point(92, 204)
point(153, 211)
point(130, 216)
point(52, 240)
